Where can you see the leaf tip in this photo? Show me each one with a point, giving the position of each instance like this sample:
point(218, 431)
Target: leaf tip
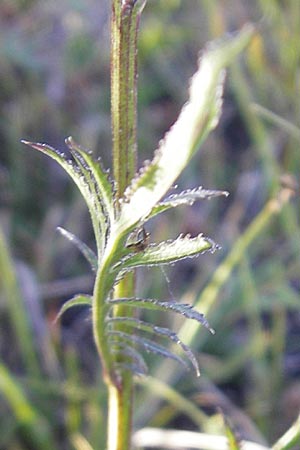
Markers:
point(36, 145)
point(30, 144)
point(69, 141)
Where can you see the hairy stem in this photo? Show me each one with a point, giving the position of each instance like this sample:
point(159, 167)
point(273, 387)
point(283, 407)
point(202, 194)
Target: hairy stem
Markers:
point(124, 26)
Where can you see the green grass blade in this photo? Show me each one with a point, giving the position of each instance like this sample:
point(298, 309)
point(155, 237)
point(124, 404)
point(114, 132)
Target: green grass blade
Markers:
point(34, 427)
point(16, 308)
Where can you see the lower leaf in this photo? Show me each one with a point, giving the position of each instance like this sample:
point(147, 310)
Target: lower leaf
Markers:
point(78, 300)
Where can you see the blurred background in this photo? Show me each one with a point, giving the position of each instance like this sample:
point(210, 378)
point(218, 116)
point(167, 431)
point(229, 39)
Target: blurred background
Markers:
point(54, 82)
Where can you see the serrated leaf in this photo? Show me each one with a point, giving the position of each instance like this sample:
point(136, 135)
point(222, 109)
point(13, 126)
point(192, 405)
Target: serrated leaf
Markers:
point(78, 300)
point(159, 331)
point(82, 247)
point(167, 252)
point(132, 367)
point(197, 118)
point(185, 309)
point(86, 186)
point(121, 349)
point(147, 345)
point(187, 197)
point(104, 186)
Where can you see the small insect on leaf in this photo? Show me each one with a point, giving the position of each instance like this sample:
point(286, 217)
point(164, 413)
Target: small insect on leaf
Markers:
point(138, 240)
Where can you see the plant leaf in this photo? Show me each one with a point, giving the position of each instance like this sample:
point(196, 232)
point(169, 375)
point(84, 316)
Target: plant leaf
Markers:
point(86, 251)
point(234, 442)
point(147, 345)
point(187, 197)
point(160, 331)
point(78, 300)
point(185, 309)
point(122, 349)
point(132, 367)
point(86, 184)
point(197, 118)
point(103, 184)
point(167, 252)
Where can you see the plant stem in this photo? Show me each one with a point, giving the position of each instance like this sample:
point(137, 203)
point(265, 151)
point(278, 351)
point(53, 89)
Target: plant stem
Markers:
point(119, 414)
point(124, 26)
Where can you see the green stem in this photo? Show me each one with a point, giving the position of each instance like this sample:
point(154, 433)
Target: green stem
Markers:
point(124, 26)
point(120, 414)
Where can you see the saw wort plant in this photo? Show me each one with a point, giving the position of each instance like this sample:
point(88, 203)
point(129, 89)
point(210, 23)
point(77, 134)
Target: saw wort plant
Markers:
point(121, 205)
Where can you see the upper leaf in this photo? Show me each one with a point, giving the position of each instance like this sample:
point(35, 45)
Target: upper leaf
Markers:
point(197, 118)
point(93, 170)
point(92, 182)
point(187, 197)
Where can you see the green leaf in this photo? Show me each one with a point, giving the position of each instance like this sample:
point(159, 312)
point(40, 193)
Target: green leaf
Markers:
point(102, 183)
point(83, 176)
point(188, 197)
point(147, 345)
point(78, 300)
point(82, 247)
point(234, 443)
point(158, 331)
point(124, 350)
point(185, 309)
point(197, 118)
point(167, 252)
point(131, 367)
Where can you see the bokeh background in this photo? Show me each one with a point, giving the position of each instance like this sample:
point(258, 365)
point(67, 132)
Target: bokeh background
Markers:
point(54, 82)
